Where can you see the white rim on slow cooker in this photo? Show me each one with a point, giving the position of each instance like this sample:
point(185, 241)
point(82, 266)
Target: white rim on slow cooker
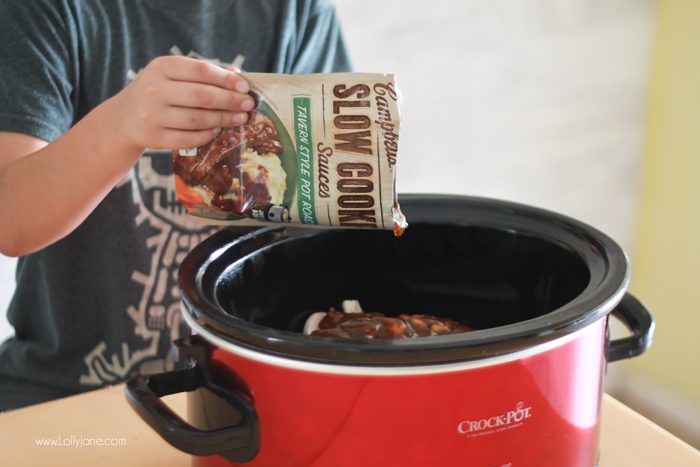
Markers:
point(303, 365)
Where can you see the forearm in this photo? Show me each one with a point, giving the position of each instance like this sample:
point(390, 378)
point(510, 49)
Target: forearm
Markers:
point(47, 194)
point(175, 102)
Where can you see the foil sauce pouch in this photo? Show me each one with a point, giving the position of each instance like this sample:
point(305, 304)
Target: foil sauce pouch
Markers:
point(318, 149)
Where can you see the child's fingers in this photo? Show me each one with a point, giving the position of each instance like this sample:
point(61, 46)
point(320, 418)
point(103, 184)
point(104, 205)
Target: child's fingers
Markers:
point(183, 118)
point(204, 96)
point(198, 71)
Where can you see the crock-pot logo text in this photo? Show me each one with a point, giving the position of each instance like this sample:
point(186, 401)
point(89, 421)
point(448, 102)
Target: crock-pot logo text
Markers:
point(505, 421)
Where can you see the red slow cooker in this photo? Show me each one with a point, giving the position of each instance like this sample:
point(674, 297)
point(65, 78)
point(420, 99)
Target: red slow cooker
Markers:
point(523, 389)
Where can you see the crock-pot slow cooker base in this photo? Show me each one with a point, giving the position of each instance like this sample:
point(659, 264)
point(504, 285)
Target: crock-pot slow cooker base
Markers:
point(524, 389)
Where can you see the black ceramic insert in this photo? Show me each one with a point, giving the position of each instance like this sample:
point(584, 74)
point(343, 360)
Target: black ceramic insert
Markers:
point(518, 274)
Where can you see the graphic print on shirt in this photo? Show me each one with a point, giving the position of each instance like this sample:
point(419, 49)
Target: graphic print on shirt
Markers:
point(172, 234)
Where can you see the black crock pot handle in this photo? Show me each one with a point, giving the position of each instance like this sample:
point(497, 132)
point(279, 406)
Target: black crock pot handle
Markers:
point(639, 321)
point(237, 443)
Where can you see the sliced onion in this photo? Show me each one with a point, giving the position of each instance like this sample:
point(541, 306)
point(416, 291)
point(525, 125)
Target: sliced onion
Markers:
point(313, 321)
point(351, 306)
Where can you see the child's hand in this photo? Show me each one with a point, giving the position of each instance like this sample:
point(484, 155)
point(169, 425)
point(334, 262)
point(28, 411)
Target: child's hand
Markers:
point(179, 102)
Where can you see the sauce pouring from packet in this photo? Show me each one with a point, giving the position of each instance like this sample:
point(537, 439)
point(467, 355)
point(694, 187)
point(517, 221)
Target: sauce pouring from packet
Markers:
point(318, 149)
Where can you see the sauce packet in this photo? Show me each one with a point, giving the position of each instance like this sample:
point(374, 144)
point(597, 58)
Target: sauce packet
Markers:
point(318, 149)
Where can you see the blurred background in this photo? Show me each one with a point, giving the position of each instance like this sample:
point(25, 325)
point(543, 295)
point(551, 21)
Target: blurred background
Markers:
point(586, 107)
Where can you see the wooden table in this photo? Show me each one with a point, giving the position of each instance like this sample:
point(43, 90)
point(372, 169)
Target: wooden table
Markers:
point(627, 440)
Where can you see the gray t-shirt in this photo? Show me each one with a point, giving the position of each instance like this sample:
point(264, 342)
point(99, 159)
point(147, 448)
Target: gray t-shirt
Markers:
point(102, 304)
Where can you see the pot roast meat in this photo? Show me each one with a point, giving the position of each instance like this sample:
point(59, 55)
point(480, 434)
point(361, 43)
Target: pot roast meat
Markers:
point(193, 169)
point(258, 133)
point(261, 135)
point(216, 166)
point(219, 180)
point(378, 326)
point(253, 192)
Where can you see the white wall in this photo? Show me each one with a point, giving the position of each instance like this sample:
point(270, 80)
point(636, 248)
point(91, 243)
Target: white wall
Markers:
point(536, 101)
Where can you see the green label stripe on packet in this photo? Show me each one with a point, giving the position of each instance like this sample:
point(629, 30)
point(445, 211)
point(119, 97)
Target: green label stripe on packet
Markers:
point(305, 156)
